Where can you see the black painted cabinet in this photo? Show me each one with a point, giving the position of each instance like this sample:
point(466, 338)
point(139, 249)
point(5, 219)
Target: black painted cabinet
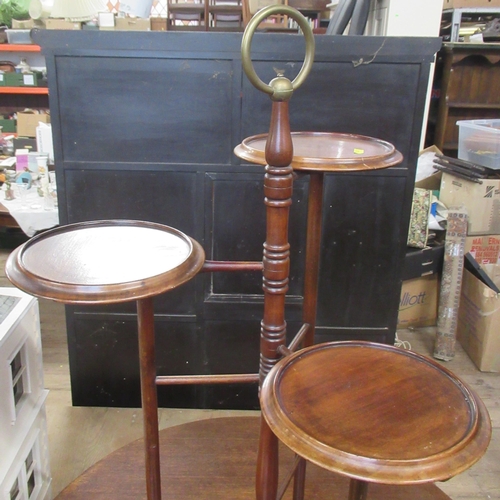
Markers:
point(144, 128)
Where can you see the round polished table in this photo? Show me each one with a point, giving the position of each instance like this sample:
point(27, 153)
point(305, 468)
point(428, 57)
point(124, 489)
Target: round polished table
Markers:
point(104, 262)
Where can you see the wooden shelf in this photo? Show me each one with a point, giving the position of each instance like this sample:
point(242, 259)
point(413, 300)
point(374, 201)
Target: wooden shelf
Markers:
point(5, 47)
point(24, 90)
point(474, 105)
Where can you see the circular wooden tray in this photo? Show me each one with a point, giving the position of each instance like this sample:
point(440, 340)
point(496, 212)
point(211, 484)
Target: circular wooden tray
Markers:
point(102, 262)
point(327, 151)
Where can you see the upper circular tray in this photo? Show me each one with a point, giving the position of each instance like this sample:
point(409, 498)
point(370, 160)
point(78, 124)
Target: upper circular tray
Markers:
point(327, 151)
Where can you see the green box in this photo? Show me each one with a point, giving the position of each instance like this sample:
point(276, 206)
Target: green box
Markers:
point(20, 79)
point(8, 125)
point(12, 79)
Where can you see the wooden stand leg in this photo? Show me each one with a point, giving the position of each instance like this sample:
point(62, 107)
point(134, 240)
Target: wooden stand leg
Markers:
point(299, 480)
point(145, 320)
point(266, 487)
point(313, 249)
point(311, 277)
point(358, 490)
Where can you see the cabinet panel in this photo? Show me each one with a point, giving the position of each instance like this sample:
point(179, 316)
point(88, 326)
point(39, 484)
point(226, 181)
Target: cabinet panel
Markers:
point(109, 374)
point(166, 197)
point(107, 377)
point(236, 230)
point(341, 97)
point(357, 233)
point(176, 129)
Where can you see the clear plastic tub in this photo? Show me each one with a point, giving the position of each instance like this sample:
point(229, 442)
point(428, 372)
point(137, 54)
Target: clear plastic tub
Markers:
point(479, 142)
point(18, 37)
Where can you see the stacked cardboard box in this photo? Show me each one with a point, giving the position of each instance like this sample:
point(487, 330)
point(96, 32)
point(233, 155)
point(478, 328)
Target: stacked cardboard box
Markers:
point(420, 290)
point(418, 303)
point(483, 242)
point(483, 206)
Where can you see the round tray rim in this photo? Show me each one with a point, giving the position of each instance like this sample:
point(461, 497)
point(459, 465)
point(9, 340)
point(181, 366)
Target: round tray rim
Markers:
point(71, 293)
point(247, 152)
point(433, 467)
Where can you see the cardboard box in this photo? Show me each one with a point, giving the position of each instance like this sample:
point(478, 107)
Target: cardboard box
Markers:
point(44, 141)
point(419, 301)
point(470, 4)
point(53, 23)
point(478, 320)
point(485, 249)
point(10, 79)
point(106, 20)
point(132, 24)
point(25, 24)
point(28, 121)
point(482, 202)
point(158, 24)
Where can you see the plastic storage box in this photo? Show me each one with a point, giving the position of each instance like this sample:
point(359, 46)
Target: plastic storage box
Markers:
point(479, 142)
point(18, 36)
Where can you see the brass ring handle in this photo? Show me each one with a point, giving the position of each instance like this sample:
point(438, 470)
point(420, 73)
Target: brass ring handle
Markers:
point(247, 42)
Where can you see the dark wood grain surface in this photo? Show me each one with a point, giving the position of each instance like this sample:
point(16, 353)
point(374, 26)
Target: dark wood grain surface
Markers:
point(213, 460)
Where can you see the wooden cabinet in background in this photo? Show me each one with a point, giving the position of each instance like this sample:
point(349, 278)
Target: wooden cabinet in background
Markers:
point(467, 80)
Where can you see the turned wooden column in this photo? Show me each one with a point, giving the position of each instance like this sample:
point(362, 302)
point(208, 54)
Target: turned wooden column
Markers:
point(278, 186)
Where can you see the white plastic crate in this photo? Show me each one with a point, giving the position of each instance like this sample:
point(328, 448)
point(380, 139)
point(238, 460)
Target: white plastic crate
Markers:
point(479, 142)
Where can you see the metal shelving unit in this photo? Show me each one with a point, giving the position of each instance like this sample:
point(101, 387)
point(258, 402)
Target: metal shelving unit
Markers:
point(456, 15)
point(12, 98)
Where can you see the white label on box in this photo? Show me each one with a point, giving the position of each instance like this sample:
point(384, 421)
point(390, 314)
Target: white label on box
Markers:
point(28, 80)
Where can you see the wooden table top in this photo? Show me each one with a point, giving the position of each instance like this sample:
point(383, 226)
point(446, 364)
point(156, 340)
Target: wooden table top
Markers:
point(375, 412)
point(6, 220)
point(104, 262)
point(327, 151)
